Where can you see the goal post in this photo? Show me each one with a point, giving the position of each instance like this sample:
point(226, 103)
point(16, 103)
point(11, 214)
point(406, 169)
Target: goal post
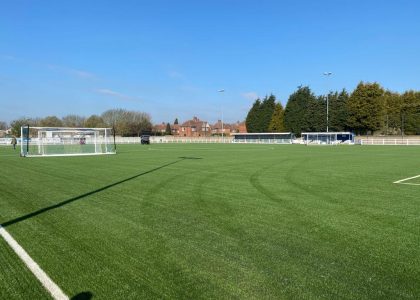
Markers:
point(66, 141)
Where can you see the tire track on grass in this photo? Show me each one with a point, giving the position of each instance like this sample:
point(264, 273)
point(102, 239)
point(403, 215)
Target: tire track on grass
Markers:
point(255, 181)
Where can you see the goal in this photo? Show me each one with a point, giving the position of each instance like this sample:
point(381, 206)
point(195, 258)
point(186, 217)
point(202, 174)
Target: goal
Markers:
point(60, 141)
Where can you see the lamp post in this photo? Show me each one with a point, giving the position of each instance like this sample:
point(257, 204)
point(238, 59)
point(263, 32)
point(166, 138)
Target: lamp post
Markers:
point(327, 74)
point(223, 137)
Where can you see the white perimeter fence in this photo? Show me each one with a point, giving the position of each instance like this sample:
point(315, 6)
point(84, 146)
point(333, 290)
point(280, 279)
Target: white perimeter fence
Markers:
point(410, 141)
point(6, 141)
point(126, 140)
point(202, 140)
point(390, 141)
point(175, 139)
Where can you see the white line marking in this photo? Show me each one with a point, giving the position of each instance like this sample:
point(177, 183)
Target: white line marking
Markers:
point(408, 183)
point(46, 281)
point(405, 179)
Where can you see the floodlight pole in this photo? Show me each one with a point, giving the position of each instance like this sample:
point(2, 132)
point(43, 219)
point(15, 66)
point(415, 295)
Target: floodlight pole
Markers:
point(223, 137)
point(327, 74)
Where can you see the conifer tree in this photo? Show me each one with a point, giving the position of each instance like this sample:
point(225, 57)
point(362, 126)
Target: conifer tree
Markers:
point(366, 107)
point(297, 114)
point(266, 113)
point(338, 114)
point(410, 112)
point(168, 130)
point(260, 115)
point(277, 120)
point(252, 117)
point(392, 116)
point(316, 114)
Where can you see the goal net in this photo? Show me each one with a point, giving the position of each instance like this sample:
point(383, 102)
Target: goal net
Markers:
point(58, 141)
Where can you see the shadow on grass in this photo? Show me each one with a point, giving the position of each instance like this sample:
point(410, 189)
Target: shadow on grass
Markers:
point(82, 296)
point(68, 201)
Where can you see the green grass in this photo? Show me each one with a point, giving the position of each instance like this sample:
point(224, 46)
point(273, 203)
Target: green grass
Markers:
point(217, 221)
point(16, 281)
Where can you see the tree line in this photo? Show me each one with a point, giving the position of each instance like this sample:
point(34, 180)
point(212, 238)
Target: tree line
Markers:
point(124, 122)
point(369, 109)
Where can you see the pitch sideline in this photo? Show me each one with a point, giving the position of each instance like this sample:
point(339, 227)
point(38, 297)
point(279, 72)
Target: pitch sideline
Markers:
point(45, 280)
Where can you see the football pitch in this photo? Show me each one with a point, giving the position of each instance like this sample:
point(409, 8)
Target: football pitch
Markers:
point(220, 221)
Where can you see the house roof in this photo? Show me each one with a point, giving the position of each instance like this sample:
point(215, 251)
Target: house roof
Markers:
point(160, 126)
point(195, 122)
point(218, 125)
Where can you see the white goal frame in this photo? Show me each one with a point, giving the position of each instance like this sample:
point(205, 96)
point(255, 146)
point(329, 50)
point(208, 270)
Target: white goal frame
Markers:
point(66, 141)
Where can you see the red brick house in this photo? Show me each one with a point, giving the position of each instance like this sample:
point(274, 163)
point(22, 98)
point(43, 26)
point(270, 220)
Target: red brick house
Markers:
point(194, 127)
point(175, 129)
point(217, 128)
point(239, 127)
point(228, 129)
point(160, 128)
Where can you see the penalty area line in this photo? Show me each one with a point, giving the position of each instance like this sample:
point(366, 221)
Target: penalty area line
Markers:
point(405, 179)
point(45, 280)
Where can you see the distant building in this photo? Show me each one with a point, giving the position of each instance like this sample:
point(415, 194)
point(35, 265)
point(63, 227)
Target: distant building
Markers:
point(160, 128)
point(218, 128)
point(175, 129)
point(195, 127)
point(5, 133)
point(228, 129)
point(239, 127)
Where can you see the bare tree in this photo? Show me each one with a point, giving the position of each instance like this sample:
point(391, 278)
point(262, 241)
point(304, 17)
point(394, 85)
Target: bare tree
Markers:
point(94, 121)
point(117, 119)
point(127, 123)
point(73, 121)
point(139, 121)
point(3, 125)
point(23, 121)
point(51, 121)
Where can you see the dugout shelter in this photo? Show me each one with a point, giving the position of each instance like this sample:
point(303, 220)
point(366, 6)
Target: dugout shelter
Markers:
point(264, 138)
point(327, 138)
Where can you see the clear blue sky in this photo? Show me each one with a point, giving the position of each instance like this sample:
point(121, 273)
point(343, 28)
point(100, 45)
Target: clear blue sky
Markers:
point(169, 58)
